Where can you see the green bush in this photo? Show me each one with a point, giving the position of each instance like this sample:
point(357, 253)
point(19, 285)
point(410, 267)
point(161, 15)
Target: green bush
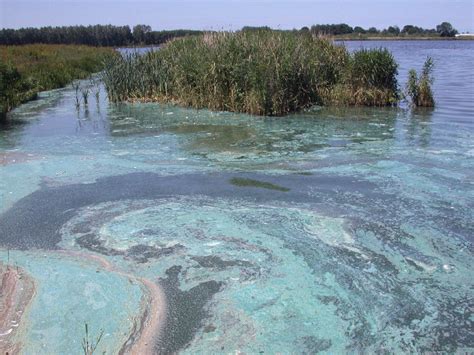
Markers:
point(13, 88)
point(261, 72)
point(419, 88)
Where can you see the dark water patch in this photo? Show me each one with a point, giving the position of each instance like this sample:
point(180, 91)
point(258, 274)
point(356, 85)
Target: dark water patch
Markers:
point(456, 325)
point(142, 253)
point(186, 310)
point(306, 173)
point(91, 242)
point(215, 262)
point(241, 182)
point(313, 345)
point(139, 253)
point(36, 220)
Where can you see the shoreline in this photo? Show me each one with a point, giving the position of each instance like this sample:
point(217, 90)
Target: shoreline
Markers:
point(17, 291)
point(401, 38)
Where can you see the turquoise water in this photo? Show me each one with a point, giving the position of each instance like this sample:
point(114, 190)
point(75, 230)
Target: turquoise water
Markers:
point(366, 245)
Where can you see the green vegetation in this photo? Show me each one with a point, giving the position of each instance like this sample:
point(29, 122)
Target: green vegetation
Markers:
point(26, 70)
point(344, 31)
point(242, 182)
point(419, 88)
point(97, 35)
point(13, 90)
point(369, 80)
point(89, 346)
point(446, 30)
point(260, 72)
point(108, 35)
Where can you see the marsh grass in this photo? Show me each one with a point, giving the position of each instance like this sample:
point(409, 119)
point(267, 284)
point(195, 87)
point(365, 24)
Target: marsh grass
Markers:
point(419, 87)
point(260, 72)
point(27, 70)
point(13, 88)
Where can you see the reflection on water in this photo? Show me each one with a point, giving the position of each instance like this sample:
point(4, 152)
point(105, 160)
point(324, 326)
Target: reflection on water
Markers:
point(343, 228)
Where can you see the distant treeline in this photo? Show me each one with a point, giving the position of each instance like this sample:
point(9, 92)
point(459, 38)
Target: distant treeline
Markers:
point(108, 35)
point(444, 29)
point(98, 35)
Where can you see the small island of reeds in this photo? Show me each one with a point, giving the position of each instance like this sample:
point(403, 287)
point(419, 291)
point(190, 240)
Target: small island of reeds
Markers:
point(261, 72)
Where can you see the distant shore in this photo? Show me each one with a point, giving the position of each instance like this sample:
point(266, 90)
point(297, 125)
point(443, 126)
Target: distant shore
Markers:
point(400, 38)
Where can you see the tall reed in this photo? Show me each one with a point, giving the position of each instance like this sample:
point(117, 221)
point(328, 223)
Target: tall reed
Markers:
point(419, 88)
point(260, 72)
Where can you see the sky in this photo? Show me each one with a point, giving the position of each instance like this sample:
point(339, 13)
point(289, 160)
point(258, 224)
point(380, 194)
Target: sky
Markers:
point(233, 14)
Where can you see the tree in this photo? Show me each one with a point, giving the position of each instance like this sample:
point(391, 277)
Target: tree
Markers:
point(359, 29)
point(304, 29)
point(412, 30)
point(373, 30)
point(445, 29)
point(140, 33)
point(334, 29)
point(97, 35)
point(393, 30)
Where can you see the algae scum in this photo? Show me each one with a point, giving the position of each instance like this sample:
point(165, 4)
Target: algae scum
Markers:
point(332, 230)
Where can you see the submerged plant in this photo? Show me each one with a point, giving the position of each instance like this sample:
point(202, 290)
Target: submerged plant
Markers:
point(76, 88)
point(95, 88)
point(419, 87)
point(97, 94)
point(243, 182)
point(85, 95)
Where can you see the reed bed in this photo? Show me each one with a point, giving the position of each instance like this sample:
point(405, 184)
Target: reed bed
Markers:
point(257, 72)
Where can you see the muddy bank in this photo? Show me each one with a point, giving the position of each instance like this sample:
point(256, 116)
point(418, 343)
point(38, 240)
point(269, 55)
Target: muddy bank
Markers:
point(17, 290)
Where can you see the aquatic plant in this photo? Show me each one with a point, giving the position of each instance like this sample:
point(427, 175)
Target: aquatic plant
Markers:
point(96, 91)
point(370, 80)
point(260, 72)
point(419, 88)
point(85, 95)
point(94, 86)
point(76, 86)
point(89, 346)
point(27, 70)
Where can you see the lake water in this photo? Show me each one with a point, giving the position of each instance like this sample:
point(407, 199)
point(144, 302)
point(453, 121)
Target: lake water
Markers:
point(332, 230)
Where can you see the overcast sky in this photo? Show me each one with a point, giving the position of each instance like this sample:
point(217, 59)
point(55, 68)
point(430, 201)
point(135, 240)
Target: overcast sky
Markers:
point(233, 14)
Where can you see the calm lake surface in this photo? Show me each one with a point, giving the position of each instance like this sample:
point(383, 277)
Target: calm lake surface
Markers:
point(329, 230)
